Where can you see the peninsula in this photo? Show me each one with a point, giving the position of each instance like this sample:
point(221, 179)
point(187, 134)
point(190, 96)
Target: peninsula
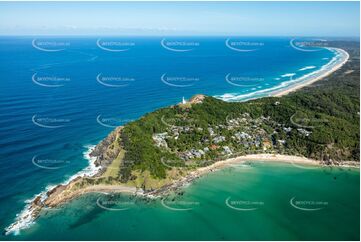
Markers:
point(172, 146)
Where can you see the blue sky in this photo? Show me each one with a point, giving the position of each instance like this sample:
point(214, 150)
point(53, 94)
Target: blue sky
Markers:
point(180, 18)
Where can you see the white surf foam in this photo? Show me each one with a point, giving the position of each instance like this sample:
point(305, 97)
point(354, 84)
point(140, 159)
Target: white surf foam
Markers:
point(307, 68)
point(24, 219)
point(268, 91)
point(288, 75)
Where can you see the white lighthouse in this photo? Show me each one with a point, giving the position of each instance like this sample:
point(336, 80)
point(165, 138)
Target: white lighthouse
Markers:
point(184, 101)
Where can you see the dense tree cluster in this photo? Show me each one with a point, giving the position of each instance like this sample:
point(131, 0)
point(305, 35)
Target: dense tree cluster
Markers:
point(320, 121)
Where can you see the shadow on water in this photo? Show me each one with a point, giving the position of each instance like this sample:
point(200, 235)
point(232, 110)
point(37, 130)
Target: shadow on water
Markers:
point(87, 217)
point(92, 213)
point(337, 172)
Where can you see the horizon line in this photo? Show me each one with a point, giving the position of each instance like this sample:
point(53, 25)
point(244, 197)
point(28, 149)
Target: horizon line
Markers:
point(173, 35)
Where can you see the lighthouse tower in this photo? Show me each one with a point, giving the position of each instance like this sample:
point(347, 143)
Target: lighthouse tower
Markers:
point(184, 101)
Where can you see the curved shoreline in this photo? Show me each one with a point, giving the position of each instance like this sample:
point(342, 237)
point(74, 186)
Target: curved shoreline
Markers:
point(323, 72)
point(289, 86)
point(32, 210)
point(297, 161)
point(27, 216)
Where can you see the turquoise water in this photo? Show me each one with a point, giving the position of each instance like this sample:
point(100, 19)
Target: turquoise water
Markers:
point(52, 107)
point(259, 198)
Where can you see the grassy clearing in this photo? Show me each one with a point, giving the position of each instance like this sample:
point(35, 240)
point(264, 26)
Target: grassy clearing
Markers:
point(114, 168)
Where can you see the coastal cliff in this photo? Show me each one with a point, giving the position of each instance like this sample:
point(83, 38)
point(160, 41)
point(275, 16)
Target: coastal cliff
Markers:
point(172, 146)
point(106, 151)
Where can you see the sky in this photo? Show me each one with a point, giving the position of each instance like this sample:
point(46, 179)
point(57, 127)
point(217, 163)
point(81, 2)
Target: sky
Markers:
point(328, 19)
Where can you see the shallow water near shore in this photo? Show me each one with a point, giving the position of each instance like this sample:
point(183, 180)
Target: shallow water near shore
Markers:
point(87, 110)
point(260, 201)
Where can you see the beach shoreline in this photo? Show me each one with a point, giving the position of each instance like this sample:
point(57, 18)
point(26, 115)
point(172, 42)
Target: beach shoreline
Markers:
point(291, 85)
point(297, 161)
point(32, 210)
point(322, 74)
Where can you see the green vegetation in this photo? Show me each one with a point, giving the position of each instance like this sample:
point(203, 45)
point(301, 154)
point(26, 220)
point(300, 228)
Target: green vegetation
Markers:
point(320, 122)
point(114, 168)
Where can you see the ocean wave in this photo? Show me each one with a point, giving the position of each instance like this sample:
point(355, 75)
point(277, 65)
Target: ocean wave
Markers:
point(234, 97)
point(307, 68)
point(24, 219)
point(288, 75)
point(227, 95)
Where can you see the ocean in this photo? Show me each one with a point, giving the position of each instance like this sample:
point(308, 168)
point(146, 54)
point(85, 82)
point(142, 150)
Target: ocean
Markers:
point(61, 95)
point(255, 202)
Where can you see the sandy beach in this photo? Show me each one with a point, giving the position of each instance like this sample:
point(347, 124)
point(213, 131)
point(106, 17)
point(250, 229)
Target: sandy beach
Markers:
point(295, 160)
point(63, 193)
point(321, 74)
point(259, 157)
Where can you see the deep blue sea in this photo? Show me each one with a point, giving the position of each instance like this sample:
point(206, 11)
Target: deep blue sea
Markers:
point(59, 95)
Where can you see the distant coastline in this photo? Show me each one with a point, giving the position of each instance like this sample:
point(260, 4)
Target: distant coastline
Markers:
point(326, 70)
point(32, 210)
point(334, 64)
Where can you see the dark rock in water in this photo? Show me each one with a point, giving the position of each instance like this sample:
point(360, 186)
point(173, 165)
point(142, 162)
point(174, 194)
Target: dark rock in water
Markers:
point(37, 201)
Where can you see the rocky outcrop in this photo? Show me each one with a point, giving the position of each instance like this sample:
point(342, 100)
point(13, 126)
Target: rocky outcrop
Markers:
point(56, 190)
point(197, 99)
point(107, 150)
